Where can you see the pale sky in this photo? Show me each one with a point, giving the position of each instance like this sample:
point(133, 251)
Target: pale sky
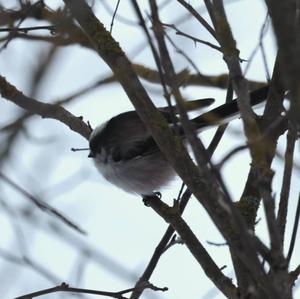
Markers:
point(121, 231)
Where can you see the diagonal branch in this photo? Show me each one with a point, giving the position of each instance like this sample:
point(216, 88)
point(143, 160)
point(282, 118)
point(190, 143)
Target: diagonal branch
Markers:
point(159, 250)
point(198, 17)
point(66, 288)
point(11, 93)
point(172, 216)
point(286, 181)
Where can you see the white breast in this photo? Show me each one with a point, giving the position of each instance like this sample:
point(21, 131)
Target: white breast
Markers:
point(141, 175)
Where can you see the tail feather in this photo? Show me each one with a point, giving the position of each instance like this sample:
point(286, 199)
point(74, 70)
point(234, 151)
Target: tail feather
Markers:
point(224, 113)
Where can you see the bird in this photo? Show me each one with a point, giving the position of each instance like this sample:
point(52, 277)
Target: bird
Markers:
point(127, 156)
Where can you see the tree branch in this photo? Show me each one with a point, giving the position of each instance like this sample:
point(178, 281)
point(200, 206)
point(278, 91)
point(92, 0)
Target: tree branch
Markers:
point(65, 288)
point(172, 216)
point(11, 93)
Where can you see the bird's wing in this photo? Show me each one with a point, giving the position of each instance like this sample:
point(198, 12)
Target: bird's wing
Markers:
point(127, 137)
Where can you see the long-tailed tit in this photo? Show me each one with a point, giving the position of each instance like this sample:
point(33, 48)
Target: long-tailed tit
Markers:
point(126, 155)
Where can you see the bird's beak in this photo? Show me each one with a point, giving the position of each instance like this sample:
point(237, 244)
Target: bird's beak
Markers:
point(91, 155)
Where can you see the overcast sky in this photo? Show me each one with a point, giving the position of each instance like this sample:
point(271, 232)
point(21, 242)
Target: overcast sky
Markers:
point(121, 232)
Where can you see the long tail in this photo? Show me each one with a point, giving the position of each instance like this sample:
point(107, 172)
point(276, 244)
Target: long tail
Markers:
point(224, 113)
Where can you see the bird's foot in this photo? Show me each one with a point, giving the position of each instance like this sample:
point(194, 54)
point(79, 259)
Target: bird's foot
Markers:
point(148, 197)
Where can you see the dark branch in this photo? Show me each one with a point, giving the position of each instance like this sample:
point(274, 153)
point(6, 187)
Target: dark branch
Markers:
point(51, 28)
point(12, 94)
point(65, 288)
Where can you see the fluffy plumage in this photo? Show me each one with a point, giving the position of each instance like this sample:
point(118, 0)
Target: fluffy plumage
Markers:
point(126, 155)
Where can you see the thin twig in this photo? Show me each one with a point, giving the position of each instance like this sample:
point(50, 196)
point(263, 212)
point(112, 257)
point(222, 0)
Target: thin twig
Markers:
point(198, 17)
point(295, 274)
point(269, 209)
point(221, 129)
point(118, 17)
point(65, 288)
point(217, 244)
point(160, 249)
point(231, 154)
point(191, 62)
point(51, 28)
point(41, 204)
point(286, 181)
point(171, 215)
point(158, 63)
point(261, 37)
point(294, 233)
point(113, 17)
point(194, 39)
point(40, 269)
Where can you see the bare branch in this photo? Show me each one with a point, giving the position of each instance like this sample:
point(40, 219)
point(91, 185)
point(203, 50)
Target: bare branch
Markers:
point(294, 233)
point(194, 39)
point(11, 93)
point(113, 17)
point(51, 28)
point(198, 17)
point(285, 19)
point(159, 250)
point(172, 216)
point(65, 288)
point(286, 181)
